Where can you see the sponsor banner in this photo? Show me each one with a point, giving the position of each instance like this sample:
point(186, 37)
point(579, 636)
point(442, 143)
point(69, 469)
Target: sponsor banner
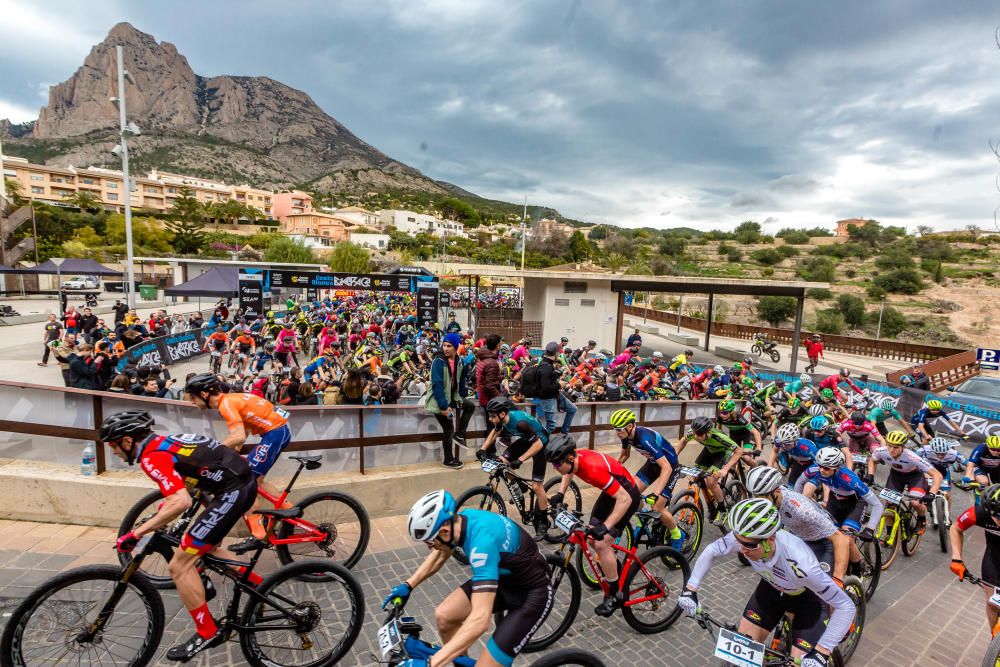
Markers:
point(363, 282)
point(166, 350)
point(427, 305)
point(251, 291)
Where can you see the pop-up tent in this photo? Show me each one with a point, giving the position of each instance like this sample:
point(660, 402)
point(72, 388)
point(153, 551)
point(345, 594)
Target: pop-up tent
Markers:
point(219, 281)
point(72, 266)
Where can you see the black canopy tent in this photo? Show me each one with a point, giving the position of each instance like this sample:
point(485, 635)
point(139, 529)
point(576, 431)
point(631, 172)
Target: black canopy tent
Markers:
point(73, 265)
point(219, 281)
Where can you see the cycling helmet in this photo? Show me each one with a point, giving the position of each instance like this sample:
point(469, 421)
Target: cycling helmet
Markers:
point(830, 457)
point(428, 515)
point(499, 404)
point(906, 380)
point(748, 361)
point(203, 382)
point(688, 353)
point(657, 355)
point(505, 349)
point(702, 425)
point(727, 406)
point(737, 367)
point(748, 382)
point(818, 423)
point(887, 404)
point(754, 518)
point(845, 372)
point(564, 340)
point(817, 410)
point(779, 383)
point(787, 433)
point(622, 418)
point(857, 418)
point(805, 378)
point(135, 423)
point(897, 438)
point(934, 404)
point(826, 393)
point(763, 480)
point(558, 448)
point(990, 499)
point(794, 402)
point(719, 370)
point(408, 348)
point(269, 348)
point(940, 445)
point(993, 442)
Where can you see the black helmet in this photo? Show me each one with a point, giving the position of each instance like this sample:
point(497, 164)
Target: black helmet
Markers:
point(991, 500)
point(592, 343)
point(202, 382)
point(858, 417)
point(499, 404)
point(136, 423)
point(559, 447)
point(702, 425)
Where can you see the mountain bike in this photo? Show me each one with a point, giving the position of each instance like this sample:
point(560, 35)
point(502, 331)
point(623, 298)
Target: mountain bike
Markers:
point(697, 494)
point(898, 525)
point(650, 582)
point(992, 656)
point(308, 612)
point(871, 562)
point(521, 496)
point(399, 640)
point(215, 362)
point(331, 525)
point(939, 515)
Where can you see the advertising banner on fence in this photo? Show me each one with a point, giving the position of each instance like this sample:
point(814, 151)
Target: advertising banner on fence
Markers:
point(166, 350)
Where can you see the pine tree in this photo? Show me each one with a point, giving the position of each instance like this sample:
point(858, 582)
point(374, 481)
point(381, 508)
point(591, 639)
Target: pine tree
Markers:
point(187, 222)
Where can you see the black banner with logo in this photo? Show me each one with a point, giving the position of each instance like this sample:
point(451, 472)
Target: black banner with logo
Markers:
point(251, 292)
point(352, 281)
point(166, 350)
point(427, 305)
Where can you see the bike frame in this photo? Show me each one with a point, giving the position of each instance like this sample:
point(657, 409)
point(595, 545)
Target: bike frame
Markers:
point(578, 540)
point(511, 481)
point(312, 532)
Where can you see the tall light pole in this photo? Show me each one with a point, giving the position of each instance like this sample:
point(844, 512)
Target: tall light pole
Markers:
point(127, 129)
point(524, 240)
point(3, 179)
point(881, 308)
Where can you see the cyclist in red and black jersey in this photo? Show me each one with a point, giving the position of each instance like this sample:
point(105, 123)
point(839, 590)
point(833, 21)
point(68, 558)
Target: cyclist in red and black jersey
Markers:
point(177, 463)
point(986, 515)
point(612, 511)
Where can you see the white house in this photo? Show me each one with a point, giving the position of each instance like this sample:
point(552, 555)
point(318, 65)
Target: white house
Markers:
point(370, 240)
point(358, 215)
point(413, 223)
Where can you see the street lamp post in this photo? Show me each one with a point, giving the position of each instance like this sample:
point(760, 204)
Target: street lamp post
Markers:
point(524, 222)
point(126, 130)
point(881, 308)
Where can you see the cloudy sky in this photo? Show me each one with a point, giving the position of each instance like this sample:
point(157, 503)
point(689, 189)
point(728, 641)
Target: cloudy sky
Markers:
point(635, 113)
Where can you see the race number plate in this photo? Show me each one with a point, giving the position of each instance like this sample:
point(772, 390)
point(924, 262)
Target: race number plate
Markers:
point(689, 471)
point(281, 412)
point(388, 639)
point(489, 465)
point(736, 649)
point(567, 522)
point(995, 598)
point(859, 458)
point(894, 497)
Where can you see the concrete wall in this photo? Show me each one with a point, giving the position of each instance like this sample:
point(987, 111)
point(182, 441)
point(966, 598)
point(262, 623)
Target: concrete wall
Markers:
point(577, 321)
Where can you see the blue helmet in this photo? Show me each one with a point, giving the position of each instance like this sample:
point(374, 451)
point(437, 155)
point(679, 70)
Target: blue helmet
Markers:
point(818, 423)
point(430, 513)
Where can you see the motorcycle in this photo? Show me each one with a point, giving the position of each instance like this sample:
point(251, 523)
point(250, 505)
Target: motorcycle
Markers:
point(762, 346)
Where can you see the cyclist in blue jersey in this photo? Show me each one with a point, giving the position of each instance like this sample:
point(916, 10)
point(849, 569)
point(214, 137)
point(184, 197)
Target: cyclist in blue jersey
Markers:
point(528, 438)
point(509, 575)
point(719, 385)
point(846, 489)
point(932, 410)
point(658, 475)
point(984, 463)
point(795, 386)
point(317, 365)
point(821, 433)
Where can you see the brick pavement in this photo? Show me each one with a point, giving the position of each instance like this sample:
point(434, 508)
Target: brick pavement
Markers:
point(920, 614)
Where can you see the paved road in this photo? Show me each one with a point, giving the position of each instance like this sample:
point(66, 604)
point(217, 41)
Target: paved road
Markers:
point(920, 614)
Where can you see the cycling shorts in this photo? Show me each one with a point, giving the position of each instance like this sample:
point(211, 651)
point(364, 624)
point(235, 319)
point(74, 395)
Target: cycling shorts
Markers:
point(823, 550)
point(993, 474)
point(518, 448)
point(524, 609)
point(846, 511)
point(767, 605)
point(218, 518)
point(990, 568)
point(882, 428)
point(861, 444)
point(650, 472)
point(740, 436)
point(265, 453)
point(605, 504)
point(709, 460)
point(915, 480)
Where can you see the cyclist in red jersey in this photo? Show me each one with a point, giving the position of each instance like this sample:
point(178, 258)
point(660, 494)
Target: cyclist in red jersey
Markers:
point(612, 511)
point(177, 463)
point(833, 382)
point(986, 515)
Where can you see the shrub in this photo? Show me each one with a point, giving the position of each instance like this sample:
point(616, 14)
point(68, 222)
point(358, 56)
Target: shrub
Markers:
point(852, 308)
point(875, 292)
point(893, 322)
point(725, 249)
point(734, 255)
point(816, 269)
point(819, 293)
point(776, 309)
point(767, 272)
point(894, 258)
point(747, 232)
point(901, 281)
point(829, 321)
point(794, 236)
point(766, 256)
point(851, 273)
point(787, 251)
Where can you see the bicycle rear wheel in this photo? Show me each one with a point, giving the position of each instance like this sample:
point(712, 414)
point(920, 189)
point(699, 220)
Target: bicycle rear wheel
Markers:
point(49, 627)
point(871, 565)
point(690, 520)
point(326, 605)
point(566, 593)
point(569, 658)
point(339, 519)
point(480, 498)
point(651, 599)
point(856, 591)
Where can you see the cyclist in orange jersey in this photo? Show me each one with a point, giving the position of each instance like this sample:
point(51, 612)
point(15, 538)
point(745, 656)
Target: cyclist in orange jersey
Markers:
point(246, 413)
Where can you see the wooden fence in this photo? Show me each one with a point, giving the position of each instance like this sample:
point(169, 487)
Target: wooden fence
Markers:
point(944, 372)
point(511, 330)
point(868, 347)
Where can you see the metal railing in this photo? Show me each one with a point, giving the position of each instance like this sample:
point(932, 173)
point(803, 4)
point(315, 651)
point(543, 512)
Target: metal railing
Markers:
point(54, 424)
point(944, 372)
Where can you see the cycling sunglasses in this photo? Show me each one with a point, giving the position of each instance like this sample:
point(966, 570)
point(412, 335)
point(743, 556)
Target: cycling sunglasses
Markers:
point(749, 546)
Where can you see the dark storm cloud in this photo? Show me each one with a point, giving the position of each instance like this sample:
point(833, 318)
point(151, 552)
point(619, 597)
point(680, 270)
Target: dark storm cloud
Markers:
point(641, 113)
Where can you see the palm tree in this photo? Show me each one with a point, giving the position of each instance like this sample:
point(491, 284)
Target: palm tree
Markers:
point(615, 261)
point(14, 192)
point(84, 200)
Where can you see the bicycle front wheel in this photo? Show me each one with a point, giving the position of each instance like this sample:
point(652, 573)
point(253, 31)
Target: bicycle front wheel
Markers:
point(569, 658)
point(587, 574)
point(333, 525)
point(313, 611)
point(53, 625)
point(941, 510)
point(651, 595)
point(992, 657)
point(856, 591)
point(871, 565)
point(913, 535)
point(886, 527)
point(689, 519)
point(480, 498)
point(566, 593)
point(154, 566)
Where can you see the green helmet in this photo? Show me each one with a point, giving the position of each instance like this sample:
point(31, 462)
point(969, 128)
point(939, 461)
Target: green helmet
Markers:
point(737, 367)
point(827, 393)
point(727, 406)
point(748, 382)
point(794, 402)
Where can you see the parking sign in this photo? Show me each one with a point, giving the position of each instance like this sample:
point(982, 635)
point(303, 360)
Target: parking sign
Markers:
point(988, 359)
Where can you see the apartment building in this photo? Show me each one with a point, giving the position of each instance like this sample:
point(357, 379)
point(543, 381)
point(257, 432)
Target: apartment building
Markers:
point(414, 223)
point(293, 202)
point(314, 223)
point(359, 215)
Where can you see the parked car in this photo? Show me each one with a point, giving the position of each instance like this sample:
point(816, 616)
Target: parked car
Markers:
point(984, 391)
point(82, 283)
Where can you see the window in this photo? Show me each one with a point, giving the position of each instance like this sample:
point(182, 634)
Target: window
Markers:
point(172, 191)
point(575, 287)
point(411, 219)
point(35, 190)
point(89, 181)
point(58, 179)
point(562, 302)
point(37, 177)
point(112, 196)
point(111, 186)
point(588, 303)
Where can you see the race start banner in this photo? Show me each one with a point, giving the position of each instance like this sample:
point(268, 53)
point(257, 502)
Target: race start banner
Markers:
point(166, 350)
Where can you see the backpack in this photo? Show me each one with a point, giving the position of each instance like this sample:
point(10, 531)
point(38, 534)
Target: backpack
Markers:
point(530, 381)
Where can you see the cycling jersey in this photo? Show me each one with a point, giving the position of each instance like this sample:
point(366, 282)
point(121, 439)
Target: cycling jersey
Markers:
point(716, 442)
point(864, 430)
point(678, 361)
point(977, 516)
point(218, 340)
point(924, 415)
point(315, 365)
point(795, 386)
point(522, 425)
point(907, 461)
point(804, 517)
point(401, 358)
point(943, 462)
point(602, 471)
point(828, 438)
point(195, 461)
point(878, 415)
point(843, 483)
point(251, 412)
point(786, 416)
point(833, 382)
point(285, 341)
point(651, 445)
point(984, 459)
point(738, 420)
point(804, 450)
point(791, 570)
point(245, 343)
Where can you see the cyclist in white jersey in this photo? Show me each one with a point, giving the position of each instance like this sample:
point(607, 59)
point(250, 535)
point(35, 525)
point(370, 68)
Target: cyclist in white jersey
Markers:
point(805, 519)
point(793, 583)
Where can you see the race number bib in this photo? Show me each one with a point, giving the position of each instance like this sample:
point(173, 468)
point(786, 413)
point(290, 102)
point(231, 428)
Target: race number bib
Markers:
point(892, 497)
point(389, 638)
point(491, 465)
point(736, 649)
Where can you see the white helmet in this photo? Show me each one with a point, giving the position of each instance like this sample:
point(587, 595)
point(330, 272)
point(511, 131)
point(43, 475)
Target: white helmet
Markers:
point(657, 355)
point(830, 457)
point(805, 378)
point(940, 445)
point(817, 410)
point(763, 480)
point(719, 370)
point(887, 404)
point(428, 515)
point(755, 518)
point(787, 433)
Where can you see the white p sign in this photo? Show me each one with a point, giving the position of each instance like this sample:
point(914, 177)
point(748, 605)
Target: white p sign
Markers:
point(988, 359)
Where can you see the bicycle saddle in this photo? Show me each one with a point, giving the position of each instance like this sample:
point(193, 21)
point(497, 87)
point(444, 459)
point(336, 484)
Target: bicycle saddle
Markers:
point(290, 513)
point(310, 462)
